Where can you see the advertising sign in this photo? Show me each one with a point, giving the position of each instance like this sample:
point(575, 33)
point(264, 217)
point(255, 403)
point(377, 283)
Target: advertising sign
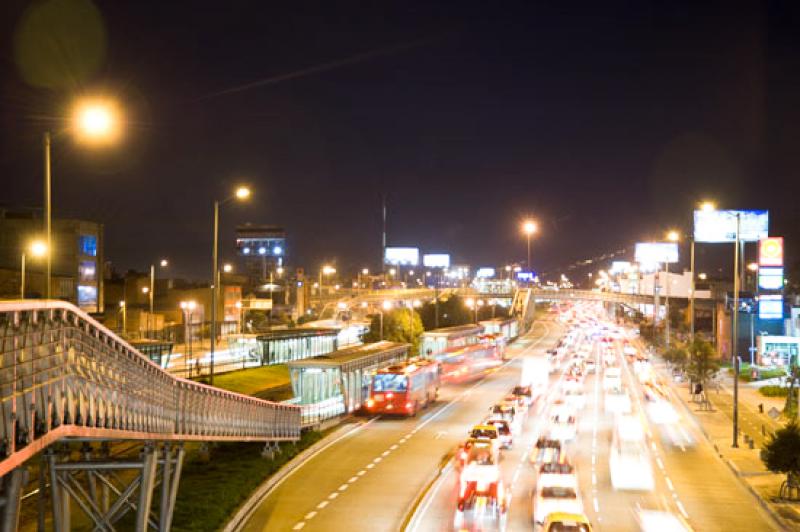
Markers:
point(770, 251)
point(436, 260)
point(656, 252)
point(485, 273)
point(402, 256)
point(770, 278)
point(619, 266)
point(720, 226)
point(770, 307)
point(526, 276)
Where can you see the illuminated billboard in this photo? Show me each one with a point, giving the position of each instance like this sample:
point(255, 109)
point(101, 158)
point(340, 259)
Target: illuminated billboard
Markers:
point(770, 278)
point(485, 273)
point(720, 226)
point(436, 260)
point(656, 252)
point(401, 256)
point(619, 266)
point(770, 251)
point(770, 307)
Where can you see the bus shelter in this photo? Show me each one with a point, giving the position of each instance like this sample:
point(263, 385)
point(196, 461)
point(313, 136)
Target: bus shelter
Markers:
point(435, 341)
point(338, 382)
point(507, 327)
point(285, 345)
point(156, 350)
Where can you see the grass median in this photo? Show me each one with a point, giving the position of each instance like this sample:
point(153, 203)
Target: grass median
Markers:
point(265, 382)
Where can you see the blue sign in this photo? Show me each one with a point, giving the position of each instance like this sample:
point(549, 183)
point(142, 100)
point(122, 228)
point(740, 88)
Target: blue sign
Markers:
point(770, 307)
point(770, 278)
point(526, 276)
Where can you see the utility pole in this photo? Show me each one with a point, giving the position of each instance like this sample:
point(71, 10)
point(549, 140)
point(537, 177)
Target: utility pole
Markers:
point(691, 290)
point(735, 342)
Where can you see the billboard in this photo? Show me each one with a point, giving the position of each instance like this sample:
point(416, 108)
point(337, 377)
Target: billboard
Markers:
point(656, 252)
point(401, 256)
point(485, 273)
point(619, 266)
point(770, 278)
point(770, 251)
point(770, 307)
point(720, 226)
point(436, 260)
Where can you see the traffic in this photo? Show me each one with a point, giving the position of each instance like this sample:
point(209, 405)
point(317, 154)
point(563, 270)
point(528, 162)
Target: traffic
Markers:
point(577, 445)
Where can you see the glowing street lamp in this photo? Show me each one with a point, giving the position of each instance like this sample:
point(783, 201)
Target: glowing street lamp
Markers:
point(37, 249)
point(227, 267)
point(241, 193)
point(529, 227)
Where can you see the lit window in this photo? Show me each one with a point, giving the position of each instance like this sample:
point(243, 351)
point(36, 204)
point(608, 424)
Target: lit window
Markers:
point(87, 245)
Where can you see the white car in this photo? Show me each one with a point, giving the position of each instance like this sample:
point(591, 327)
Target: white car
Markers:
point(618, 402)
point(590, 366)
point(563, 426)
point(575, 397)
point(628, 458)
point(658, 521)
point(503, 430)
point(556, 493)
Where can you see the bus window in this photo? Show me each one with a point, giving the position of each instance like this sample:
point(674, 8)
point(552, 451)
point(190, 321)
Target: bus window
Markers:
point(388, 382)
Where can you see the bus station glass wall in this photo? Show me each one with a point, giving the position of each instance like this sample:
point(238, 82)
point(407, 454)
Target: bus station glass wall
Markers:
point(282, 350)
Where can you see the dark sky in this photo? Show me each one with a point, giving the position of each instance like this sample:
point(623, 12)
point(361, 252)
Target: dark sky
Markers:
point(606, 121)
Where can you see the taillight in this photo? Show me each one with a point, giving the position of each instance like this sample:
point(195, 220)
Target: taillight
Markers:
point(370, 403)
point(409, 406)
point(389, 395)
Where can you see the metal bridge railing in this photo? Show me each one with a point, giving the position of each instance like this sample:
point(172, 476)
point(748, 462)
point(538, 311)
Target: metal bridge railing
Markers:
point(63, 374)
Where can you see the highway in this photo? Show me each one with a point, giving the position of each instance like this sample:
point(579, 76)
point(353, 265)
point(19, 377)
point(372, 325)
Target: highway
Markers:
point(369, 480)
point(690, 481)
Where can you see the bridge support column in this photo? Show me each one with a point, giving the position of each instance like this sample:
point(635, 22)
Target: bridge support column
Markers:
point(94, 485)
point(10, 496)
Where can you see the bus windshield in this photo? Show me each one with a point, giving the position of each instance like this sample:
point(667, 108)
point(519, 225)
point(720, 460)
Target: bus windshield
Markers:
point(389, 382)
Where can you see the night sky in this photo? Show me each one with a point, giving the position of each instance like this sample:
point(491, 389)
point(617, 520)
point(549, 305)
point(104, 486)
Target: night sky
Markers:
point(606, 121)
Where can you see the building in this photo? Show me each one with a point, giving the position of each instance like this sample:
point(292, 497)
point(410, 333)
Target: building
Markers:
point(76, 263)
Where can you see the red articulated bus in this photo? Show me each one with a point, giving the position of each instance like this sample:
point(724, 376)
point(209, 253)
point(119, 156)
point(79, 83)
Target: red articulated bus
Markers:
point(465, 363)
point(404, 389)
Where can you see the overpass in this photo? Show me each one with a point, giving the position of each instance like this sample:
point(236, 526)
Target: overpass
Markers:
point(65, 378)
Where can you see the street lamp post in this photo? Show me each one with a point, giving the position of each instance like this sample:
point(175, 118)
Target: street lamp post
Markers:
point(242, 193)
point(123, 309)
point(705, 206)
point(672, 236)
point(529, 228)
point(735, 342)
point(93, 121)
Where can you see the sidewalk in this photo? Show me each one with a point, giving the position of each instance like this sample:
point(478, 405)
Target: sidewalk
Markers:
point(717, 425)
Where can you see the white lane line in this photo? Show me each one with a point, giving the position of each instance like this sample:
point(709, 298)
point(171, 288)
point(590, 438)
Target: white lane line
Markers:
point(669, 483)
point(393, 447)
point(333, 495)
point(402, 440)
point(310, 515)
point(370, 466)
point(343, 487)
point(385, 453)
point(352, 479)
point(660, 463)
point(596, 506)
point(682, 509)
point(516, 476)
point(594, 478)
point(299, 525)
point(378, 459)
point(361, 473)
point(594, 460)
point(322, 505)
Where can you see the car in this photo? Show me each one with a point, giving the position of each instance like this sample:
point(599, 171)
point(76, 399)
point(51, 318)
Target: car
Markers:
point(463, 450)
point(504, 410)
point(629, 459)
point(480, 480)
point(487, 432)
point(563, 426)
point(556, 493)
point(524, 393)
point(546, 450)
point(566, 522)
point(575, 397)
point(617, 401)
point(612, 379)
point(658, 521)
point(503, 431)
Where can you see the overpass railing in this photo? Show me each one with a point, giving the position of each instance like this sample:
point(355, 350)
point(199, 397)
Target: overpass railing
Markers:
point(62, 374)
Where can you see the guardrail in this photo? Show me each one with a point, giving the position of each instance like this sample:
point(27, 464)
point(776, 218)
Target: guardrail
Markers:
point(63, 374)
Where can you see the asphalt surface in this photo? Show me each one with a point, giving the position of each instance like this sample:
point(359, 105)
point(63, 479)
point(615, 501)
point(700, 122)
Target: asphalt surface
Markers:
point(370, 479)
point(690, 481)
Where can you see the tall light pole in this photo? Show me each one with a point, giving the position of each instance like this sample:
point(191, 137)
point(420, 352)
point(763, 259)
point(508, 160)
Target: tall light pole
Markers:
point(242, 193)
point(672, 236)
point(123, 309)
point(529, 227)
point(94, 121)
point(151, 293)
point(735, 342)
point(386, 306)
point(325, 270)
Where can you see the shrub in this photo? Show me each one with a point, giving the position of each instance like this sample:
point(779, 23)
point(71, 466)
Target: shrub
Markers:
point(773, 391)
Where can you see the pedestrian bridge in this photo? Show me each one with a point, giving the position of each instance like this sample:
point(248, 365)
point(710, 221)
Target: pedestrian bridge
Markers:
point(65, 377)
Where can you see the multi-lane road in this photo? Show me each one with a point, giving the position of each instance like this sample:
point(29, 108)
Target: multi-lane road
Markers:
point(370, 479)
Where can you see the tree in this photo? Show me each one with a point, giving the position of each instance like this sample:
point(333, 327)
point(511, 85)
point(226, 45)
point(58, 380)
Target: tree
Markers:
point(781, 454)
point(452, 311)
point(677, 356)
point(399, 325)
point(702, 363)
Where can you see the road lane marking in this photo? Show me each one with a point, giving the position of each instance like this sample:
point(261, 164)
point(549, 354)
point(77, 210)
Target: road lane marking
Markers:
point(361, 473)
point(352, 479)
point(310, 515)
point(385, 453)
point(594, 478)
point(682, 509)
point(322, 505)
point(669, 483)
point(378, 459)
point(660, 463)
point(596, 506)
point(402, 440)
point(344, 487)
point(299, 525)
point(393, 447)
point(333, 495)
point(370, 466)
